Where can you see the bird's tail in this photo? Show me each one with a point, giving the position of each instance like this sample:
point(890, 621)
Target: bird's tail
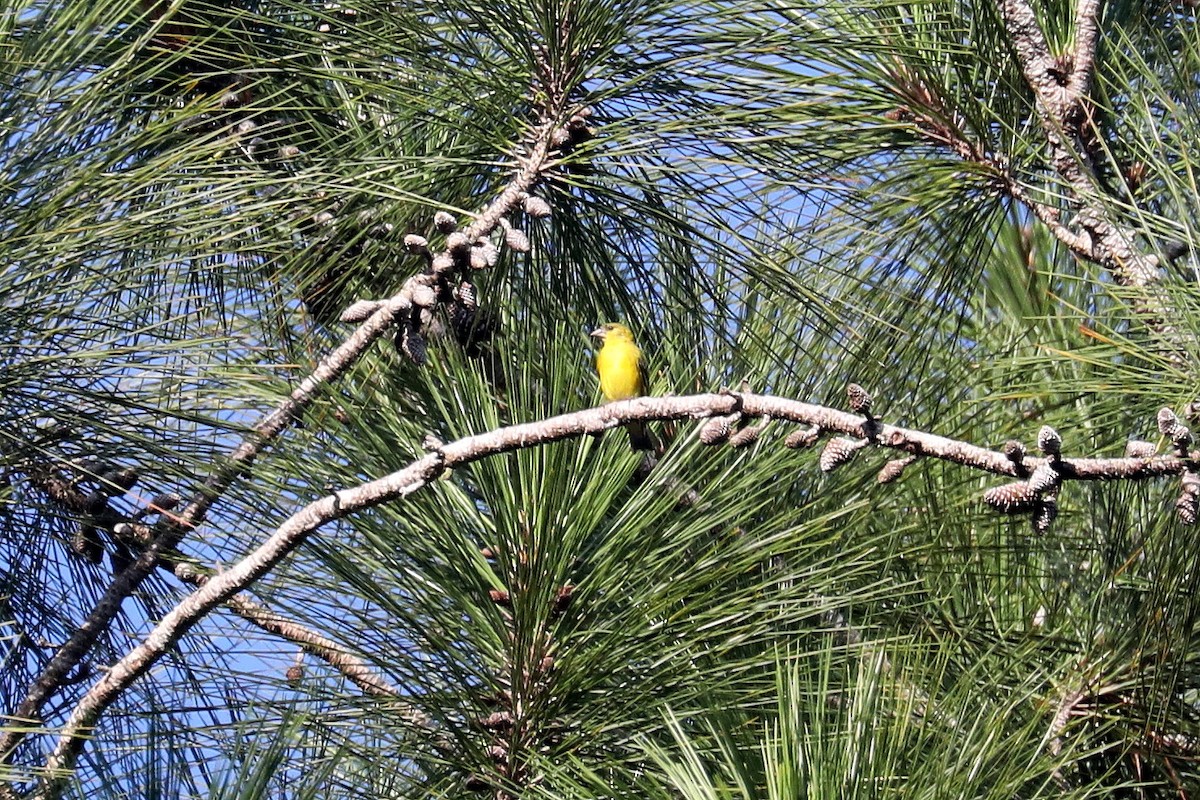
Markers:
point(640, 437)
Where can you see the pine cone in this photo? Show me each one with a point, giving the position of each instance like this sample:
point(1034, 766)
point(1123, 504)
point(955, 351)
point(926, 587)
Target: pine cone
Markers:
point(893, 469)
point(445, 222)
point(747, 436)
point(1048, 441)
point(1166, 420)
point(717, 429)
point(859, 398)
point(411, 342)
point(803, 438)
point(1014, 451)
point(1135, 448)
point(516, 240)
point(85, 542)
point(537, 207)
point(1011, 498)
point(1044, 514)
point(1189, 498)
point(116, 482)
point(1186, 507)
point(838, 451)
point(1044, 477)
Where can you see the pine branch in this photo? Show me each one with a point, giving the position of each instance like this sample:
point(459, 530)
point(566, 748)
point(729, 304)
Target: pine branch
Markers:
point(1045, 475)
point(132, 533)
point(1062, 86)
point(417, 298)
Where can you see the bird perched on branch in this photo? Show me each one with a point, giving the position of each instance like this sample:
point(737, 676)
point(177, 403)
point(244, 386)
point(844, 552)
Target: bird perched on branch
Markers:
point(622, 371)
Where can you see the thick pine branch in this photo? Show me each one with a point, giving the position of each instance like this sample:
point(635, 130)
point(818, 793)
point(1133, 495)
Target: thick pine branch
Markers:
point(1061, 86)
point(725, 409)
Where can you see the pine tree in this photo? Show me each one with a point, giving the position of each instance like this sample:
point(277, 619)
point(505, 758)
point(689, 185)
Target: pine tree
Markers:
point(300, 492)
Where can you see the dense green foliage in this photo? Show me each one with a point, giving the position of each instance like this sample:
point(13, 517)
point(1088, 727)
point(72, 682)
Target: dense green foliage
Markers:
point(193, 192)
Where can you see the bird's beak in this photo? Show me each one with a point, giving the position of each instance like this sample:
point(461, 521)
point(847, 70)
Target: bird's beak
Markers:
point(598, 333)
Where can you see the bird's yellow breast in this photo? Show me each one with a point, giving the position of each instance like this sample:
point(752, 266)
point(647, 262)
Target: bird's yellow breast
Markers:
point(619, 364)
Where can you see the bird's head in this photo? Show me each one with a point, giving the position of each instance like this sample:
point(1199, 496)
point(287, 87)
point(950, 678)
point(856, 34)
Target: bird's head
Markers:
point(613, 330)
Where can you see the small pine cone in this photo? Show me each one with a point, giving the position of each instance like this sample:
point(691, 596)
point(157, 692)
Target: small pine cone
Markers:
point(117, 482)
point(1135, 448)
point(536, 207)
point(159, 504)
point(85, 542)
point(96, 502)
point(500, 597)
point(411, 342)
point(1166, 421)
point(442, 263)
point(294, 674)
point(579, 130)
point(323, 218)
point(288, 152)
point(562, 599)
point(1044, 514)
point(1014, 451)
point(803, 438)
point(1048, 441)
point(490, 254)
point(166, 501)
point(416, 244)
point(860, 399)
point(1189, 498)
point(516, 240)
point(431, 443)
point(466, 295)
point(717, 429)
point(1044, 478)
point(421, 291)
point(457, 242)
point(445, 222)
point(1011, 498)
point(1180, 435)
point(839, 451)
point(559, 137)
point(747, 436)
point(478, 259)
point(1186, 507)
point(894, 469)
point(360, 311)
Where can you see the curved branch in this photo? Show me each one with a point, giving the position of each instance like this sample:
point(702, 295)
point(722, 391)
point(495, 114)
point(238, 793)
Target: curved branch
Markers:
point(171, 530)
point(137, 535)
point(1062, 92)
point(220, 588)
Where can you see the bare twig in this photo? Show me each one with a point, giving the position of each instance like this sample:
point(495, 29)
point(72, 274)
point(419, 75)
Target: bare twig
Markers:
point(220, 588)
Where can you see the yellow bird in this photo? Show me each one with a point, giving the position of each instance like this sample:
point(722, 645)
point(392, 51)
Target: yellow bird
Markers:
point(622, 371)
